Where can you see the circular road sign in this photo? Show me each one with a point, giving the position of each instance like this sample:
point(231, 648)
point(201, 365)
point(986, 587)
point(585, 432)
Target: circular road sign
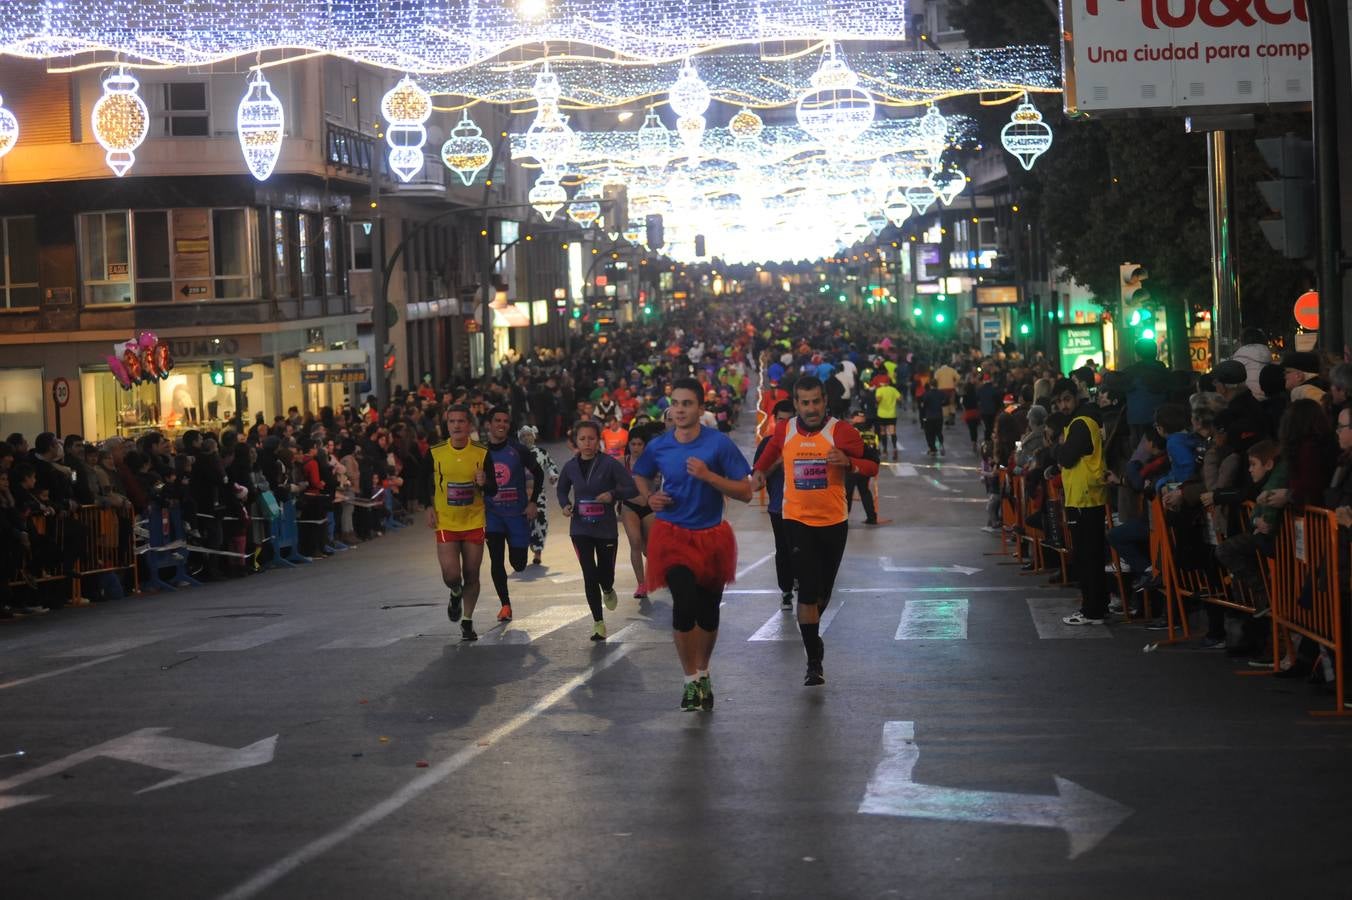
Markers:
point(61, 392)
point(1307, 310)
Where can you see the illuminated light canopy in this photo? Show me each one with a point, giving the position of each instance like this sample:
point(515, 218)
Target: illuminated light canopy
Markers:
point(466, 152)
point(1026, 136)
point(547, 196)
point(9, 129)
point(428, 35)
point(261, 125)
point(406, 108)
point(120, 121)
point(834, 110)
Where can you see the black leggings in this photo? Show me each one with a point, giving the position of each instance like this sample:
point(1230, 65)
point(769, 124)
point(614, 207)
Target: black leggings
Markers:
point(783, 554)
point(856, 482)
point(691, 602)
point(934, 432)
point(817, 552)
point(496, 542)
point(597, 557)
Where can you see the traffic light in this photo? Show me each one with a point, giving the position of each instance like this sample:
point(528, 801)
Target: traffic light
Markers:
point(1024, 329)
point(656, 234)
point(699, 246)
point(917, 312)
point(217, 372)
point(1292, 229)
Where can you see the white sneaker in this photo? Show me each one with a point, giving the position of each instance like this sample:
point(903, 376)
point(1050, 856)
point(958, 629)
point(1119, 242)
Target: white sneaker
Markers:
point(1079, 618)
point(1111, 569)
point(990, 529)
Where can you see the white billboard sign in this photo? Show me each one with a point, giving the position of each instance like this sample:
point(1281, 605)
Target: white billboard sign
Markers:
point(1123, 55)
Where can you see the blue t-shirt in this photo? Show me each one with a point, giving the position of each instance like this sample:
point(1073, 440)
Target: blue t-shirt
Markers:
point(509, 470)
point(695, 504)
point(776, 372)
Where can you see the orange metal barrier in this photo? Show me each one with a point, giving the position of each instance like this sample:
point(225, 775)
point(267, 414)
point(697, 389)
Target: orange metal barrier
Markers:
point(1308, 599)
point(107, 545)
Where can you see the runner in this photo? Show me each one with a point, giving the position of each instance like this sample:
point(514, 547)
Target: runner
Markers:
point(887, 398)
point(615, 438)
point(819, 451)
point(539, 526)
point(774, 486)
point(510, 512)
point(457, 483)
point(691, 549)
point(589, 487)
point(636, 515)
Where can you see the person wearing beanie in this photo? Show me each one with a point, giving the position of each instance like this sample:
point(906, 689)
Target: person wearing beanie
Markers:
point(1231, 381)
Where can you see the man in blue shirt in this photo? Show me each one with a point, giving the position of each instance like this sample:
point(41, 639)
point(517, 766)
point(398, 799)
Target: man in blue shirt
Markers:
point(690, 548)
point(511, 510)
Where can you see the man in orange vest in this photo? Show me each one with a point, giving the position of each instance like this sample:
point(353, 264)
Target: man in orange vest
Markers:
point(819, 452)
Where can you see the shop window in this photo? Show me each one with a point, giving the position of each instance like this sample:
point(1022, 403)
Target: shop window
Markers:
point(18, 262)
point(105, 252)
point(233, 252)
point(362, 245)
point(183, 109)
point(21, 402)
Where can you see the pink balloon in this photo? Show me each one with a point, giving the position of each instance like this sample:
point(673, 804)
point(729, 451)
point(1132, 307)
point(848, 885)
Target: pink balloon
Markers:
point(119, 371)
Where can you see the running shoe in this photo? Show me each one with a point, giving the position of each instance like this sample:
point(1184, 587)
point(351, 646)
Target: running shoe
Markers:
point(1079, 618)
point(1213, 643)
point(598, 631)
point(640, 594)
point(505, 614)
point(609, 599)
point(453, 608)
point(814, 676)
point(706, 693)
point(786, 602)
point(690, 698)
point(467, 632)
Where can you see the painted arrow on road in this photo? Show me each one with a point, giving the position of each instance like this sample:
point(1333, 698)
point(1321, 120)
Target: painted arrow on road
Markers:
point(886, 563)
point(1086, 817)
point(188, 760)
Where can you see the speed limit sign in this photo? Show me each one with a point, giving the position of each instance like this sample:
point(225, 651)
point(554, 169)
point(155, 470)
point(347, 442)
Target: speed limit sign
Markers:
point(61, 392)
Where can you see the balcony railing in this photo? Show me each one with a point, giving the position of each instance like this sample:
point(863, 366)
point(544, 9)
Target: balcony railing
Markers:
point(356, 153)
point(195, 314)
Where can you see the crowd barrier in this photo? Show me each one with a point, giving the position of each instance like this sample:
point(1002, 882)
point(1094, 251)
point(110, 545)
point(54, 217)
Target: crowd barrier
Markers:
point(1301, 595)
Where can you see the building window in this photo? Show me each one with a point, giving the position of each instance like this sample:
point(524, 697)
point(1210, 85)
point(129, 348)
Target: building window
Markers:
point(361, 245)
point(331, 273)
point(308, 252)
point(18, 262)
point(105, 251)
point(233, 252)
point(154, 273)
point(281, 252)
point(183, 109)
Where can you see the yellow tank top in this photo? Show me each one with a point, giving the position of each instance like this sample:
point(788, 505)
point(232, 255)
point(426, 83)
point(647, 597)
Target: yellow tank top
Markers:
point(458, 500)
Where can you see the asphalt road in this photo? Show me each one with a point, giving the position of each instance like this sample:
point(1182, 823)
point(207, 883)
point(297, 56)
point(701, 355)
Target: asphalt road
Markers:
point(323, 733)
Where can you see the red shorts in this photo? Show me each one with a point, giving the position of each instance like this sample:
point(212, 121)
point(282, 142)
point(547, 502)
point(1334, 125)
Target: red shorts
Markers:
point(475, 536)
point(710, 553)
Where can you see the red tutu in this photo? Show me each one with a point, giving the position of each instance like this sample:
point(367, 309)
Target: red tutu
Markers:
point(711, 553)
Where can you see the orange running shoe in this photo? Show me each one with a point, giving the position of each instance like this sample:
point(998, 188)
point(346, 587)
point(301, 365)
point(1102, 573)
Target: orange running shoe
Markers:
point(505, 614)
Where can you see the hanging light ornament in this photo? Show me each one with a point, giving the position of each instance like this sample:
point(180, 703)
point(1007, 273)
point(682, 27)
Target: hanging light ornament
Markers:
point(921, 197)
point(834, 110)
point(898, 208)
point(876, 222)
point(654, 141)
point(635, 231)
point(948, 184)
point(746, 126)
point(466, 152)
point(547, 196)
point(880, 181)
point(1026, 136)
point(120, 121)
point(261, 125)
point(691, 130)
point(689, 98)
point(406, 108)
point(9, 129)
point(934, 134)
point(586, 206)
point(549, 139)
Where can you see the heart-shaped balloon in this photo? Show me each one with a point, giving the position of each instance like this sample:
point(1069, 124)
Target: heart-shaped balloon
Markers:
point(119, 371)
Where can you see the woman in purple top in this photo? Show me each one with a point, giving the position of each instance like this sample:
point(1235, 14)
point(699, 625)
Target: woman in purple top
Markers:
point(590, 486)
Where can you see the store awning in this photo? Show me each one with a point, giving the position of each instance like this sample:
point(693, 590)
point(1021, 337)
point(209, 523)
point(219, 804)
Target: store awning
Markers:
point(333, 358)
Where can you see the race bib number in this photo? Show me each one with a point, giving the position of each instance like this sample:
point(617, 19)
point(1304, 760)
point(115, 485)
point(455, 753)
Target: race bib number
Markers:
point(506, 496)
point(459, 493)
point(591, 510)
point(809, 474)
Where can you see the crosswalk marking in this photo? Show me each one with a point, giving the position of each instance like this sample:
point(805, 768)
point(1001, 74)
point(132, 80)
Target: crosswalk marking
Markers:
point(249, 639)
point(1047, 613)
point(391, 628)
point(783, 626)
point(643, 632)
point(121, 645)
point(537, 625)
point(933, 620)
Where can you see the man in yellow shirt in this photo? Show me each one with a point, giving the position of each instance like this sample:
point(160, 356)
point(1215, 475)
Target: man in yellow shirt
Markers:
point(948, 379)
point(459, 480)
point(887, 398)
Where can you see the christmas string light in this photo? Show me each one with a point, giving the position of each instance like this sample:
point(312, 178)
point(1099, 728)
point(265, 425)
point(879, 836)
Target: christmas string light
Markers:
point(586, 206)
point(1026, 136)
point(466, 152)
point(547, 196)
point(406, 108)
point(120, 121)
point(261, 125)
point(424, 37)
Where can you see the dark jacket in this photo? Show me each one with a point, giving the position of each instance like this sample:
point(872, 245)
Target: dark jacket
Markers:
point(604, 475)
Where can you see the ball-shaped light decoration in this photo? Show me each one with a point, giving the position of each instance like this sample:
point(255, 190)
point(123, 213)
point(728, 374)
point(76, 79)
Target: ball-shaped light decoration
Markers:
point(834, 110)
point(921, 197)
point(691, 130)
point(547, 196)
point(689, 96)
point(466, 152)
point(933, 129)
point(261, 125)
point(746, 126)
point(898, 209)
point(586, 206)
point(654, 140)
point(948, 184)
point(9, 129)
point(120, 121)
point(1026, 136)
point(550, 140)
point(547, 89)
point(406, 107)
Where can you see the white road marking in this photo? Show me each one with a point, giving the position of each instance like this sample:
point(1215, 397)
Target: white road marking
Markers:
point(566, 579)
point(420, 785)
point(783, 625)
point(887, 566)
point(536, 625)
point(1086, 817)
point(756, 565)
point(939, 484)
point(55, 672)
point(904, 470)
point(121, 645)
point(890, 590)
point(249, 639)
point(1047, 613)
point(392, 626)
point(933, 620)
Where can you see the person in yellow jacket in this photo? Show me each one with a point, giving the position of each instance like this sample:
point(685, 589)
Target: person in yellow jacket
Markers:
point(459, 480)
point(1083, 475)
